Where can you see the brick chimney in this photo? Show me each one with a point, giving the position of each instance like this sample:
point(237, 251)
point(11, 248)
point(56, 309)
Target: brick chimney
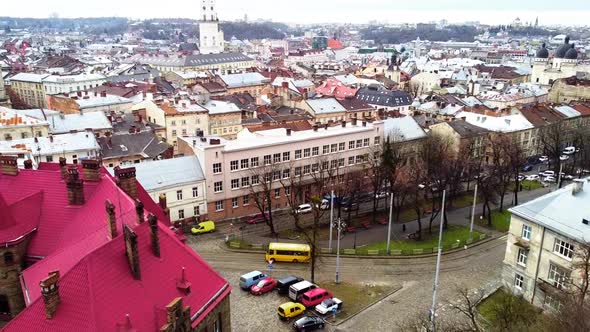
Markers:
point(183, 284)
point(50, 292)
point(154, 236)
point(62, 167)
point(8, 165)
point(90, 169)
point(75, 186)
point(131, 251)
point(178, 317)
point(163, 205)
point(28, 164)
point(126, 180)
point(111, 219)
point(139, 211)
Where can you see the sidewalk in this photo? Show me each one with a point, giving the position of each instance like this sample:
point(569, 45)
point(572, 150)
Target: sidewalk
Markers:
point(377, 232)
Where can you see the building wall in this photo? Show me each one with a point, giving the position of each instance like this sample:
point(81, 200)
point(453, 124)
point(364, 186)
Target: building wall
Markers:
point(210, 37)
point(31, 93)
point(219, 318)
point(253, 90)
point(546, 72)
point(225, 125)
point(4, 100)
point(72, 157)
point(53, 88)
point(184, 124)
point(10, 286)
point(23, 132)
point(188, 202)
point(122, 107)
point(565, 93)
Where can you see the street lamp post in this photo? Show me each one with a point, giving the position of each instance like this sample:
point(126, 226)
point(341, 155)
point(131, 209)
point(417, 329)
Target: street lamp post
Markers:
point(440, 233)
point(389, 226)
point(331, 219)
point(473, 212)
point(338, 252)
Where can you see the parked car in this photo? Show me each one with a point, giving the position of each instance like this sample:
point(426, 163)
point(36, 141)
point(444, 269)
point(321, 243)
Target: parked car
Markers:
point(309, 323)
point(303, 209)
point(283, 284)
point(533, 177)
point(257, 218)
point(543, 159)
point(328, 306)
point(300, 288)
point(290, 309)
point(564, 157)
point(550, 179)
point(204, 227)
point(568, 177)
point(521, 177)
point(345, 201)
point(251, 278)
point(325, 204)
point(315, 296)
point(527, 168)
point(546, 173)
point(263, 286)
point(381, 195)
point(569, 150)
point(351, 207)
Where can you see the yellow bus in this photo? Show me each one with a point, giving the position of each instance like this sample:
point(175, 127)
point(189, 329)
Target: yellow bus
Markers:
point(288, 252)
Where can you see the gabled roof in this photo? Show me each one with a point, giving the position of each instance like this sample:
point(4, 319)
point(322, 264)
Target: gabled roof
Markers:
point(403, 129)
point(145, 144)
point(244, 79)
point(99, 291)
point(325, 106)
point(20, 218)
point(61, 124)
point(466, 129)
point(540, 115)
point(155, 175)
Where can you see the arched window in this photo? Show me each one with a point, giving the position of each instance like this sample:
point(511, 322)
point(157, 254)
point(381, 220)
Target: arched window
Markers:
point(8, 258)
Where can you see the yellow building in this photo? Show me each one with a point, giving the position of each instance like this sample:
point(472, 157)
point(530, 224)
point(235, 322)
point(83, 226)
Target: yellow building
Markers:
point(29, 87)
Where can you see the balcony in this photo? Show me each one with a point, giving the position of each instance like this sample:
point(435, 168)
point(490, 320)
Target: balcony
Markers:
point(522, 243)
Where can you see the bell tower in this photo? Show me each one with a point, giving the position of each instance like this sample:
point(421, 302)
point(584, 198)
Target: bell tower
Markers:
point(210, 36)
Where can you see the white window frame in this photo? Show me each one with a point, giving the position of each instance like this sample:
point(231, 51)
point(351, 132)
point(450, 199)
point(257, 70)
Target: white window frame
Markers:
point(235, 203)
point(235, 184)
point(522, 257)
point(195, 191)
point(526, 232)
point(518, 281)
point(179, 195)
point(217, 169)
point(219, 206)
point(218, 186)
point(563, 249)
point(234, 165)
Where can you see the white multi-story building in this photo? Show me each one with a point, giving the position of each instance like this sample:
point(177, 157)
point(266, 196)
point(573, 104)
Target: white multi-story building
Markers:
point(543, 241)
point(232, 168)
point(180, 180)
point(63, 84)
point(210, 35)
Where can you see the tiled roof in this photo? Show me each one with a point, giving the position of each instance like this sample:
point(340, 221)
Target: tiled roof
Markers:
point(60, 124)
point(465, 129)
point(13, 118)
point(540, 115)
point(383, 97)
point(99, 291)
point(334, 88)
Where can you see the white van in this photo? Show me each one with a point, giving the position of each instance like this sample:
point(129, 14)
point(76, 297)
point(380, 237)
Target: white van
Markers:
point(303, 209)
point(569, 150)
point(298, 289)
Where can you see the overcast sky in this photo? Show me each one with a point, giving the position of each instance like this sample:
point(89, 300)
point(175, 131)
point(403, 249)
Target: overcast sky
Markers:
point(311, 11)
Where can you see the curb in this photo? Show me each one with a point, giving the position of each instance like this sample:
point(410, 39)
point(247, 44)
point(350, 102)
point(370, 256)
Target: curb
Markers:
point(395, 290)
point(451, 251)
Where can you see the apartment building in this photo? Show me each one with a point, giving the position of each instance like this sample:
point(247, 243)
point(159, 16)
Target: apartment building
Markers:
point(29, 87)
point(15, 125)
point(234, 169)
point(225, 119)
point(544, 238)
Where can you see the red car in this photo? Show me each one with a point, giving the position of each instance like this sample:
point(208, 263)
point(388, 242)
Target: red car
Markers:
point(257, 218)
point(263, 286)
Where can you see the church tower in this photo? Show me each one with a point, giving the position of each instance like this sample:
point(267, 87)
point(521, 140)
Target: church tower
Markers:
point(210, 36)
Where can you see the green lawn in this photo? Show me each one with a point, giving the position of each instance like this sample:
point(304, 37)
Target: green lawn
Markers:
point(500, 221)
point(531, 185)
point(454, 234)
point(503, 301)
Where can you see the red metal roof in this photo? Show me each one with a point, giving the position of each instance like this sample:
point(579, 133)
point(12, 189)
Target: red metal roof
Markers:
point(99, 291)
point(334, 88)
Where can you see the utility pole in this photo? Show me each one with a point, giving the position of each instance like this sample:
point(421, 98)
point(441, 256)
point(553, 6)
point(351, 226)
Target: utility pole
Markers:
point(389, 226)
point(473, 212)
point(338, 253)
point(331, 219)
point(440, 233)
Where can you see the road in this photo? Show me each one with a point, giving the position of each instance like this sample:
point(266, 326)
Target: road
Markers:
point(476, 267)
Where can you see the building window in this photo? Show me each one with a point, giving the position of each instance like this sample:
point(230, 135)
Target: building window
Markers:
point(173, 123)
point(366, 142)
point(307, 153)
point(244, 163)
point(297, 171)
point(246, 200)
point(181, 214)
point(218, 186)
point(184, 132)
point(518, 281)
point(276, 158)
point(255, 179)
point(306, 169)
point(326, 149)
point(183, 122)
point(217, 168)
point(287, 191)
point(359, 143)
point(315, 167)
point(286, 173)
point(286, 156)
point(179, 195)
point(341, 146)
point(233, 165)
point(173, 133)
point(276, 175)
point(234, 202)
point(557, 275)
point(377, 140)
point(245, 181)
point(563, 248)
point(526, 232)
point(522, 257)
point(235, 183)
point(551, 301)
point(196, 211)
point(297, 154)
point(351, 160)
point(49, 159)
point(219, 206)
point(277, 192)
point(267, 160)
point(254, 162)
point(195, 191)
point(315, 151)
point(267, 177)
point(334, 148)
point(341, 162)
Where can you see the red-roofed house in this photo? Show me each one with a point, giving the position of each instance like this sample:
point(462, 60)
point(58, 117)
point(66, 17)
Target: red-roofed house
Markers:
point(65, 218)
point(334, 88)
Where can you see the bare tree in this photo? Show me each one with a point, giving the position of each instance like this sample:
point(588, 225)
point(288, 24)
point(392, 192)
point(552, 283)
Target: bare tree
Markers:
point(415, 188)
point(466, 305)
point(551, 140)
point(501, 168)
point(260, 190)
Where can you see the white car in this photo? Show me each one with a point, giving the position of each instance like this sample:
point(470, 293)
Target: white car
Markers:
point(547, 173)
point(564, 157)
point(569, 150)
point(328, 306)
point(303, 209)
point(550, 179)
point(533, 177)
point(381, 195)
point(543, 159)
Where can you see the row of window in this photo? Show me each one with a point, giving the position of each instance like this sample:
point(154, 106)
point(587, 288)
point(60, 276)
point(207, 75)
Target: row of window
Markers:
point(196, 212)
point(179, 193)
point(235, 201)
point(173, 122)
point(560, 247)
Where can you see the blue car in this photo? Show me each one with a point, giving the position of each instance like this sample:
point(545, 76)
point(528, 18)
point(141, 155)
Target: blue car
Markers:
point(527, 168)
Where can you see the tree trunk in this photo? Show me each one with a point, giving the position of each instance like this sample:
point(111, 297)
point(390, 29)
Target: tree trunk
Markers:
point(375, 204)
point(313, 255)
point(502, 202)
point(419, 220)
point(489, 214)
point(516, 189)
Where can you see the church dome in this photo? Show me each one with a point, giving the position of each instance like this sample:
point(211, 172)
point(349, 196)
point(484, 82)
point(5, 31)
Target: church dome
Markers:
point(571, 54)
point(543, 52)
point(560, 52)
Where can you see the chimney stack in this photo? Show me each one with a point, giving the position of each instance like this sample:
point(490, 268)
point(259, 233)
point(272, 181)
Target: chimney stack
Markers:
point(126, 180)
point(75, 186)
point(183, 284)
point(353, 121)
point(285, 85)
point(315, 127)
point(50, 292)
point(8, 165)
point(111, 219)
point(578, 186)
point(364, 123)
point(139, 211)
point(28, 164)
point(90, 170)
point(288, 131)
point(178, 317)
point(343, 123)
point(154, 236)
point(131, 251)
point(163, 205)
point(62, 167)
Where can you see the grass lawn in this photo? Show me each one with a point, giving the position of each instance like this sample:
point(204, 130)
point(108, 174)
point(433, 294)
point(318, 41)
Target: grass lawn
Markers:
point(500, 221)
point(487, 307)
point(356, 296)
point(452, 235)
point(531, 185)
